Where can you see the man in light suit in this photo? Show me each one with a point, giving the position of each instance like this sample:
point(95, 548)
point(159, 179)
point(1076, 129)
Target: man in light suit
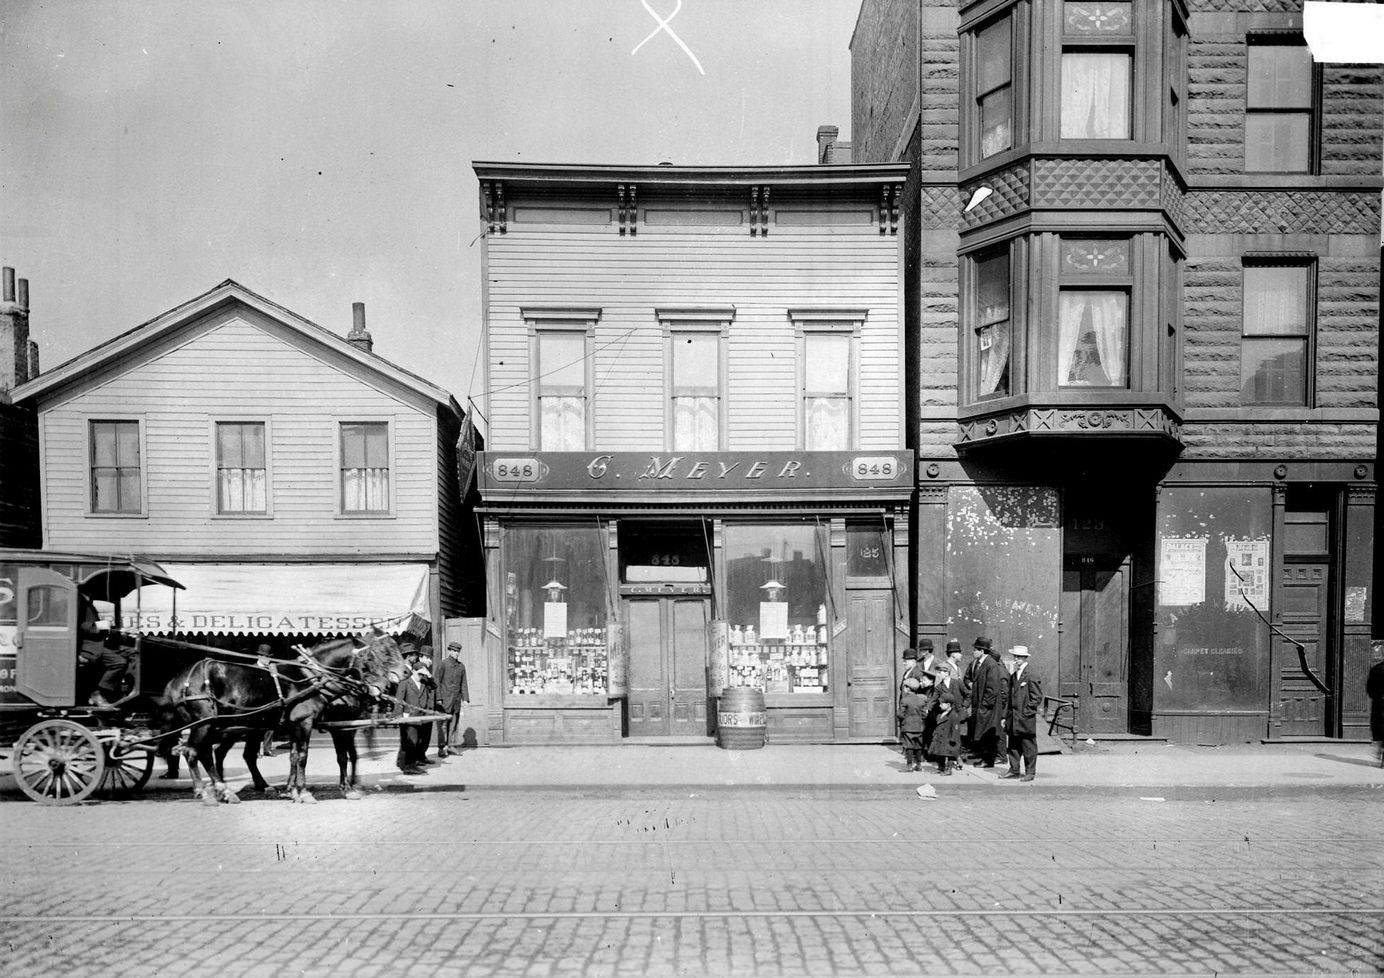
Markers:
point(1021, 717)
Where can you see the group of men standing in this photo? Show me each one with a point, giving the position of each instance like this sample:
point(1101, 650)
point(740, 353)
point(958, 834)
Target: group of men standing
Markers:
point(446, 691)
point(1000, 703)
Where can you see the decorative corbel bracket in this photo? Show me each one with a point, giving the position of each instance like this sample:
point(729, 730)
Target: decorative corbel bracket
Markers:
point(759, 211)
point(629, 210)
point(889, 195)
point(494, 191)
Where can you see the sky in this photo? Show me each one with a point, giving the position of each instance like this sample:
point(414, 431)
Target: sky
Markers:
point(319, 153)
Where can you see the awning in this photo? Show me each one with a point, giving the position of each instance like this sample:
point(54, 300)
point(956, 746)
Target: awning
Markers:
point(283, 599)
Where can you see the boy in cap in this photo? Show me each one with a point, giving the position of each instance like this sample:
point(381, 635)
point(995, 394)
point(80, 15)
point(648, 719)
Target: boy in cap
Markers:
point(944, 743)
point(912, 713)
point(1021, 717)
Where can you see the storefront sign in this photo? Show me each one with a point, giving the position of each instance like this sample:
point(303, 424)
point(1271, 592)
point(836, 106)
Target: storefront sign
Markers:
point(706, 471)
point(1182, 571)
point(1249, 559)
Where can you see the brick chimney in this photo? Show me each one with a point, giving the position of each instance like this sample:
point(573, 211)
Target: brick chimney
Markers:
point(359, 336)
point(829, 149)
point(15, 346)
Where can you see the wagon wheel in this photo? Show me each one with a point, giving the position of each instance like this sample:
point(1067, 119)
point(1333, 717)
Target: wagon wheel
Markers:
point(58, 762)
point(127, 770)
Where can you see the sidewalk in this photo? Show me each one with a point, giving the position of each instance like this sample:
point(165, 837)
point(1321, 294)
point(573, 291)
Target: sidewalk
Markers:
point(1314, 766)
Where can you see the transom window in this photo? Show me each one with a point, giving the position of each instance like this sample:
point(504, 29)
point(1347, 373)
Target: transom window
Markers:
point(561, 385)
point(1278, 107)
point(241, 475)
point(116, 486)
point(696, 390)
point(1093, 313)
point(364, 467)
point(1276, 334)
point(1097, 70)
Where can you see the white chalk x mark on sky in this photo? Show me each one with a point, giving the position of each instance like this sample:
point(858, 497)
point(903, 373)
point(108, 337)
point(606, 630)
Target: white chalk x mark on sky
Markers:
point(663, 28)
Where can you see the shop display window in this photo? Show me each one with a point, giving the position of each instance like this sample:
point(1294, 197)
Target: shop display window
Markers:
point(776, 594)
point(556, 611)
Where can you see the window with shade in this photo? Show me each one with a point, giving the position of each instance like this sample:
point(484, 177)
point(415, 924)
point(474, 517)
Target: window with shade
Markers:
point(1278, 107)
point(1097, 70)
point(241, 473)
point(696, 390)
point(826, 373)
point(1276, 334)
point(991, 324)
point(1093, 313)
point(116, 483)
point(364, 467)
point(994, 88)
point(561, 390)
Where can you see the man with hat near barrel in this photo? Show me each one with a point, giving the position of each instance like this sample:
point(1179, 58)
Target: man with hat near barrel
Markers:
point(1025, 696)
point(987, 687)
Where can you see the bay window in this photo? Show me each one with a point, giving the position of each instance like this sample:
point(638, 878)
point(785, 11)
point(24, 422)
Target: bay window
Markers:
point(1093, 313)
point(994, 88)
point(991, 324)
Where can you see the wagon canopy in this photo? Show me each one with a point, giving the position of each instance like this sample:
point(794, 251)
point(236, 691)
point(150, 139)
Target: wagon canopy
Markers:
point(287, 599)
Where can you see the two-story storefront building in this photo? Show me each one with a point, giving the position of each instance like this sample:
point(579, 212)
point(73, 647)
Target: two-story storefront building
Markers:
point(696, 474)
point(1143, 324)
point(297, 484)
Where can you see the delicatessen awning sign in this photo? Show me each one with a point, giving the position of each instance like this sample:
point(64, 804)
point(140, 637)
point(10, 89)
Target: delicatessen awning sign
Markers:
point(681, 472)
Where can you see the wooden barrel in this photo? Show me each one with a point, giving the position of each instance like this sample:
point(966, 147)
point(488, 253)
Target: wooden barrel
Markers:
point(740, 718)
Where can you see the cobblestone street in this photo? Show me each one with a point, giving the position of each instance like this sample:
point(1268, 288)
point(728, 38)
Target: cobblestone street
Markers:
point(734, 881)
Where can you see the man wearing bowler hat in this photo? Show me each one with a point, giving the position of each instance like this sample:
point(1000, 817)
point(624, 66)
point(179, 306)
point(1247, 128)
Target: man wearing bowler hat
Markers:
point(1021, 717)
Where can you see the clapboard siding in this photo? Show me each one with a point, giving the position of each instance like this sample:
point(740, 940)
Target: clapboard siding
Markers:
point(238, 365)
point(629, 277)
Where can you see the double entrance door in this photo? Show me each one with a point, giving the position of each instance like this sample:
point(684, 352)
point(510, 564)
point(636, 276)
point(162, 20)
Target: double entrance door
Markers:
point(668, 657)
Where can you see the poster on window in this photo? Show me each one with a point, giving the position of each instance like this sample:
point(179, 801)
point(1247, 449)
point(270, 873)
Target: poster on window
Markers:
point(773, 619)
point(555, 619)
point(1182, 571)
point(1249, 559)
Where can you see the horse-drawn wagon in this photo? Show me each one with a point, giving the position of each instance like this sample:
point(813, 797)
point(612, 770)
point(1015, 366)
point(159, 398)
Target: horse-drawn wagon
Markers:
point(58, 613)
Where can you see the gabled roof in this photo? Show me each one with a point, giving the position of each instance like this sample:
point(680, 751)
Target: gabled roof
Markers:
point(227, 293)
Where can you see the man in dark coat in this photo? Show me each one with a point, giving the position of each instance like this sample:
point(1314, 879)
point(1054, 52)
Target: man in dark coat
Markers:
point(1021, 717)
point(986, 704)
point(452, 693)
point(416, 689)
point(1374, 687)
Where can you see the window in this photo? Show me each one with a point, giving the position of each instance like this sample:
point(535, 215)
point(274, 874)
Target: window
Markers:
point(241, 483)
point(364, 467)
point(826, 391)
point(1275, 334)
point(116, 486)
point(561, 386)
point(1097, 70)
point(1278, 108)
point(1093, 313)
point(992, 326)
point(994, 87)
point(696, 390)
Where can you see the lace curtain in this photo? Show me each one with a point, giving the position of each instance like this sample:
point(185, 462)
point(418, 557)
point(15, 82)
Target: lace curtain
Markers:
point(1091, 339)
point(1095, 96)
point(562, 423)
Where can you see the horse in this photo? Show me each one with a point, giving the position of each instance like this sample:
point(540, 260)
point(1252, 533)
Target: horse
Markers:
point(223, 701)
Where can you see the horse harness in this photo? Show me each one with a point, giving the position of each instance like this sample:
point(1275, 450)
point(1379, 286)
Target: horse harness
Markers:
point(323, 679)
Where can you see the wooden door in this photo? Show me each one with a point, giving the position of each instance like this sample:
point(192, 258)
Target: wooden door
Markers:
point(869, 646)
point(1094, 650)
point(667, 667)
point(1299, 707)
point(46, 638)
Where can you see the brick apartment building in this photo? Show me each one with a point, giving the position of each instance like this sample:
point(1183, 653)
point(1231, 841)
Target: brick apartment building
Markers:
point(1142, 307)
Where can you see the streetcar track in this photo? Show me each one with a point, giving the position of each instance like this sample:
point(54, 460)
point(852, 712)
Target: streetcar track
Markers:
point(674, 915)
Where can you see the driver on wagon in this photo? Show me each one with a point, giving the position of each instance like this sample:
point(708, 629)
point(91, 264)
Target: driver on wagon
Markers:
point(102, 647)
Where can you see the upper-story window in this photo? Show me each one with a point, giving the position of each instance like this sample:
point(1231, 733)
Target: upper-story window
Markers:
point(994, 86)
point(1097, 70)
point(827, 352)
point(696, 390)
point(1093, 313)
point(1276, 332)
point(1278, 106)
point(364, 467)
point(561, 390)
point(992, 323)
point(116, 483)
point(241, 473)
